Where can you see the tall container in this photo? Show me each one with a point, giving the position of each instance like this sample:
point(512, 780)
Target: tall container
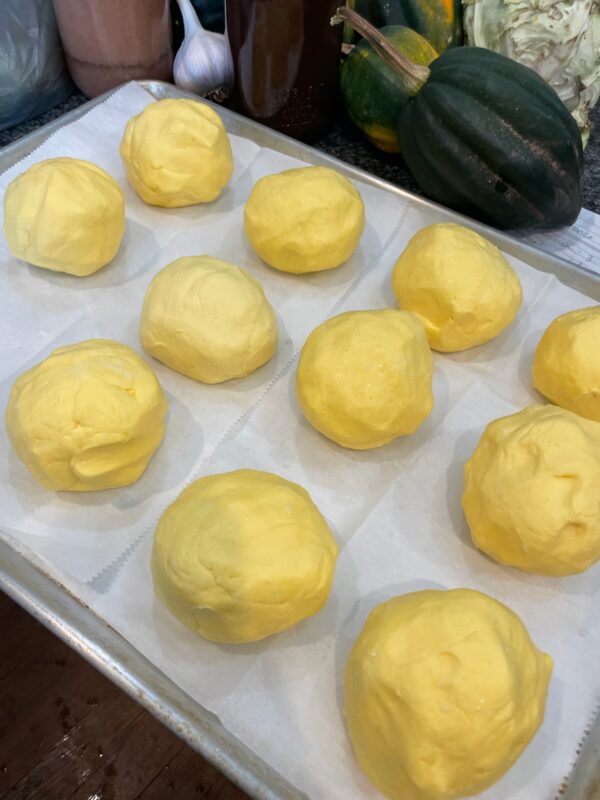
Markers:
point(286, 58)
point(108, 42)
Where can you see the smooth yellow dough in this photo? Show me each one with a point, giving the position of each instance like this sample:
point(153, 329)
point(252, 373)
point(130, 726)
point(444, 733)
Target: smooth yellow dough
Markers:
point(443, 691)
point(566, 365)
point(532, 491)
point(243, 555)
point(208, 319)
point(304, 220)
point(88, 417)
point(65, 215)
point(459, 285)
point(177, 153)
point(365, 377)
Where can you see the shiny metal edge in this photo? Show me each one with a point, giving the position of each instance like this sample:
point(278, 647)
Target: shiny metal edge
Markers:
point(77, 625)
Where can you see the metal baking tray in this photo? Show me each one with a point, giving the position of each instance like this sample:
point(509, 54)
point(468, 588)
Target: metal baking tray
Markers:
point(70, 619)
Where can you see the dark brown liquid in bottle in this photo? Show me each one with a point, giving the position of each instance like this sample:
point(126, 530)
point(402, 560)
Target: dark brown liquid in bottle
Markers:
point(286, 59)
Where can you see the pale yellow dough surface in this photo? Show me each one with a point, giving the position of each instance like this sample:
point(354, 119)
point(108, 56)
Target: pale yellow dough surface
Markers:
point(459, 285)
point(365, 377)
point(208, 319)
point(65, 215)
point(443, 691)
point(532, 491)
point(88, 417)
point(243, 555)
point(177, 153)
point(304, 220)
point(566, 365)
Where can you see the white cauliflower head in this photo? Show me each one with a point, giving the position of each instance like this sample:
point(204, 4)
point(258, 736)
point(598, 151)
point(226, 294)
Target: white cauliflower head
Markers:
point(559, 39)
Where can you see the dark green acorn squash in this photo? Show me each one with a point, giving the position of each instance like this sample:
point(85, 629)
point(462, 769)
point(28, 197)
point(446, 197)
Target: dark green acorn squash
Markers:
point(438, 21)
point(486, 136)
point(373, 93)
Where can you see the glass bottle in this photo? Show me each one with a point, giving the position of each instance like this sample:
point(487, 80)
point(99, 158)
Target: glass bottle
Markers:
point(286, 58)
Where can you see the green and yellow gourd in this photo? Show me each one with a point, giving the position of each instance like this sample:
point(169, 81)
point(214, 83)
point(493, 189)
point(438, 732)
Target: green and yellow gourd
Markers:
point(373, 93)
point(438, 21)
point(485, 135)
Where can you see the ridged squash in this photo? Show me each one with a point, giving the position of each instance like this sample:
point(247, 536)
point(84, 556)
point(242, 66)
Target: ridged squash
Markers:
point(486, 136)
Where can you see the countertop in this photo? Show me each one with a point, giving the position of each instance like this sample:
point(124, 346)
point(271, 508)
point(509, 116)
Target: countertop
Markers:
point(68, 733)
point(345, 142)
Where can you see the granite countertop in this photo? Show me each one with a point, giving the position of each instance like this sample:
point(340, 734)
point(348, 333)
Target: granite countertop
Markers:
point(345, 142)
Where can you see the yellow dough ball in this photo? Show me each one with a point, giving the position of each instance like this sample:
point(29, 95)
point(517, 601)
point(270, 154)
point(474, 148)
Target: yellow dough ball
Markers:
point(459, 285)
point(243, 555)
point(304, 220)
point(365, 377)
point(177, 153)
point(65, 215)
point(443, 691)
point(208, 319)
point(88, 417)
point(566, 365)
point(532, 491)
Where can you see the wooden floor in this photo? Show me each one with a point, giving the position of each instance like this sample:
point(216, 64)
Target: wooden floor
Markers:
point(66, 733)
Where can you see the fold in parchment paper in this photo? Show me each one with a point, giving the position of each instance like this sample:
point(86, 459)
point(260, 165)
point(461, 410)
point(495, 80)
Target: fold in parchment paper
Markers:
point(395, 511)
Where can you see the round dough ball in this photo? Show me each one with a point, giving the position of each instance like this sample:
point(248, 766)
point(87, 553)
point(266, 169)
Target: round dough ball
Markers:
point(88, 417)
point(459, 285)
point(532, 491)
point(443, 691)
point(65, 215)
point(243, 555)
point(177, 153)
point(365, 377)
point(304, 220)
point(566, 365)
point(208, 319)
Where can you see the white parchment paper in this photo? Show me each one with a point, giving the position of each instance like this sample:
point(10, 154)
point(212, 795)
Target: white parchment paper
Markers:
point(395, 511)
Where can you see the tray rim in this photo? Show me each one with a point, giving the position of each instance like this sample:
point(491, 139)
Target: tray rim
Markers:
point(68, 617)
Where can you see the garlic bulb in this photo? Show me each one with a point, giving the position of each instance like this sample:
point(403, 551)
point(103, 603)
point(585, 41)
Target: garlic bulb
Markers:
point(559, 39)
point(203, 63)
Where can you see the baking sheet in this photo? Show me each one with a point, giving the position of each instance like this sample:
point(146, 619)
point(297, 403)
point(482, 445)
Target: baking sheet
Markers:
point(395, 511)
point(579, 243)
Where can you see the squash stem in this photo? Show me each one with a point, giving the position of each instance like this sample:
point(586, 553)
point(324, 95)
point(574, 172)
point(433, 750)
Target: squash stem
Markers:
point(413, 75)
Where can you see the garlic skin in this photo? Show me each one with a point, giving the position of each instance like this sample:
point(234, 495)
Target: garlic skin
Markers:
point(559, 39)
point(203, 64)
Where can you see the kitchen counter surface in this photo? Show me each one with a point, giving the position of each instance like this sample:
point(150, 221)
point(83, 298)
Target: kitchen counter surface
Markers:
point(345, 142)
point(67, 733)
